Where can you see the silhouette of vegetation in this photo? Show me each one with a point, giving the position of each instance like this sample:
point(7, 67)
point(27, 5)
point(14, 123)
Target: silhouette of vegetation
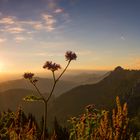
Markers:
point(17, 126)
point(52, 67)
point(96, 125)
point(59, 132)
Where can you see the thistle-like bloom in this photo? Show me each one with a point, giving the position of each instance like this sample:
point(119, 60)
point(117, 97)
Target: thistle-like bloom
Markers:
point(51, 66)
point(70, 56)
point(28, 75)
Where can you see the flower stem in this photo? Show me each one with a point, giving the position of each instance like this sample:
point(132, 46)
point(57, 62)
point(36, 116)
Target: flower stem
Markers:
point(56, 80)
point(45, 111)
point(43, 98)
point(63, 71)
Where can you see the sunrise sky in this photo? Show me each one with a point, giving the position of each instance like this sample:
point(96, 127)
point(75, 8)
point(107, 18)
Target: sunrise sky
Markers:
point(103, 33)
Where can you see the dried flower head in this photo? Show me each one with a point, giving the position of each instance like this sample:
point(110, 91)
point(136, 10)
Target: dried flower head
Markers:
point(28, 75)
point(70, 56)
point(51, 66)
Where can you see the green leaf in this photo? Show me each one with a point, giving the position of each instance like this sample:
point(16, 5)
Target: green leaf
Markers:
point(32, 98)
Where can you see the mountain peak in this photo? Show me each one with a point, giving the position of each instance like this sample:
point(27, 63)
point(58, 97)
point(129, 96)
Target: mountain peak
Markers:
point(118, 68)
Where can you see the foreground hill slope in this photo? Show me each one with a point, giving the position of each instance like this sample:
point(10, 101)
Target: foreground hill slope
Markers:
point(13, 98)
point(120, 82)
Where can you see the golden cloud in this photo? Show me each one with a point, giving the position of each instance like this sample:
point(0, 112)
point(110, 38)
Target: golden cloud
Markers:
point(49, 22)
point(7, 20)
point(15, 30)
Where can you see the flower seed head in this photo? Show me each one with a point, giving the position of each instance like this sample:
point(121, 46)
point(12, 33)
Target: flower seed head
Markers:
point(70, 56)
point(47, 64)
point(28, 75)
point(51, 66)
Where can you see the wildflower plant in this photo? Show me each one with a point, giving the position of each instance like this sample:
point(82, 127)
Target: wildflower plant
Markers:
point(83, 126)
point(97, 125)
point(53, 67)
point(22, 127)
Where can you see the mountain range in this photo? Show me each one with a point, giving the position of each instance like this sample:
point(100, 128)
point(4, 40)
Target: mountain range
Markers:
point(119, 82)
point(12, 92)
point(45, 84)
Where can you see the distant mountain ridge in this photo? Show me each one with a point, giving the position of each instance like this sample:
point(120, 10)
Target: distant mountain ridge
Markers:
point(86, 78)
point(45, 84)
point(12, 92)
point(120, 82)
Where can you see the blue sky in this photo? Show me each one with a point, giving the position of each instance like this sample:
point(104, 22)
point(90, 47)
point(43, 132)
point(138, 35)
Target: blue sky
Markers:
point(103, 33)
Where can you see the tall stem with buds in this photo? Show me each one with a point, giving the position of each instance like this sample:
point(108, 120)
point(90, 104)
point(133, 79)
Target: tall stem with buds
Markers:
point(53, 67)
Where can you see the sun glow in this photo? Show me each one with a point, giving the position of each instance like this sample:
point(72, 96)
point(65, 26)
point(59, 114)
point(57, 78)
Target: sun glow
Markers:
point(1, 67)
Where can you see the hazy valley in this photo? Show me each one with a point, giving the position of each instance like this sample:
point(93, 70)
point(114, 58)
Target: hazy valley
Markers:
point(70, 97)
